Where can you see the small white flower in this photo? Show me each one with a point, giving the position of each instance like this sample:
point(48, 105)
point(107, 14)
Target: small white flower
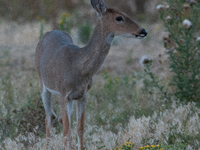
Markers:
point(144, 60)
point(198, 39)
point(186, 6)
point(168, 50)
point(168, 18)
point(167, 7)
point(187, 24)
point(160, 7)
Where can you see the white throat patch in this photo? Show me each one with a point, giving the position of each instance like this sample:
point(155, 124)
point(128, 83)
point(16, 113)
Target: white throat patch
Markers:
point(109, 39)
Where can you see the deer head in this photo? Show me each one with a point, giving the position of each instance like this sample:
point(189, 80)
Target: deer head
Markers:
point(117, 22)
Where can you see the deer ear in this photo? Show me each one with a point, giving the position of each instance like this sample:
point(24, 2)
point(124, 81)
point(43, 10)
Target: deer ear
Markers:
point(100, 6)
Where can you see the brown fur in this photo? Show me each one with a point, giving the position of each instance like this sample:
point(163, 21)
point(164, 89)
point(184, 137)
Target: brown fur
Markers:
point(67, 70)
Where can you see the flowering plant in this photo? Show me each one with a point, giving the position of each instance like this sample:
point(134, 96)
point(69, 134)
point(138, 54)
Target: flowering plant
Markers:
point(181, 20)
point(65, 22)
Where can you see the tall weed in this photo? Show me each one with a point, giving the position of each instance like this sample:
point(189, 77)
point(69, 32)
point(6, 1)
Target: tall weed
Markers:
point(181, 20)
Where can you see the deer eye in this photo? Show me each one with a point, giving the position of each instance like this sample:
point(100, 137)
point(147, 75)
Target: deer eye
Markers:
point(119, 18)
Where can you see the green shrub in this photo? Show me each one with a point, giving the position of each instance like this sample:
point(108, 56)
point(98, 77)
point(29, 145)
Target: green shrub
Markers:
point(65, 23)
point(183, 49)
point(84, 33)
point(181, 20)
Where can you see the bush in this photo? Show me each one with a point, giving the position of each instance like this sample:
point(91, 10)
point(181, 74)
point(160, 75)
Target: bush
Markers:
point(65, 23)
point(85, 32)
point(181, 20)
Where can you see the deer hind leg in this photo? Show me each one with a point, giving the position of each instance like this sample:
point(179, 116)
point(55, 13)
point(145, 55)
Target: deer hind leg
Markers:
point(66, 109)
point(69, 110)
point(50, 115)
point(80, 115)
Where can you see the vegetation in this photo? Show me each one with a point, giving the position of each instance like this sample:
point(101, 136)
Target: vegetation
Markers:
point(85, 33)
point(27, 10)
point(182, 47)
point(136, 110)
point(65, 23)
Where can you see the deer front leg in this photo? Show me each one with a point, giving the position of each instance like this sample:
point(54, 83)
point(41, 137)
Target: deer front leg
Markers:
point(80, 115)
point(66, 123)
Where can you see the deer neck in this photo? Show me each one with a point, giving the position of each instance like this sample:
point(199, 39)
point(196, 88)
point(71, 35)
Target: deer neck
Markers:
point(96, 50)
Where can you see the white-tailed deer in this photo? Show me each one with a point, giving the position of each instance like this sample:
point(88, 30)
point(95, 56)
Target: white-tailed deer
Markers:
point(67, 70)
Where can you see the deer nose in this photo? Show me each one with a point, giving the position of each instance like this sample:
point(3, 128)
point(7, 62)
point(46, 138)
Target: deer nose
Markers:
point(143, 32)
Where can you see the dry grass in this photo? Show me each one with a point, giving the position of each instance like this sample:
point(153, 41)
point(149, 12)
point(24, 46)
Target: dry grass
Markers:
point(152, 129)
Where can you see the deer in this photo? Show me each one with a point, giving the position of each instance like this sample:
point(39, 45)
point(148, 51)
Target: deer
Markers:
point(67, 70)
